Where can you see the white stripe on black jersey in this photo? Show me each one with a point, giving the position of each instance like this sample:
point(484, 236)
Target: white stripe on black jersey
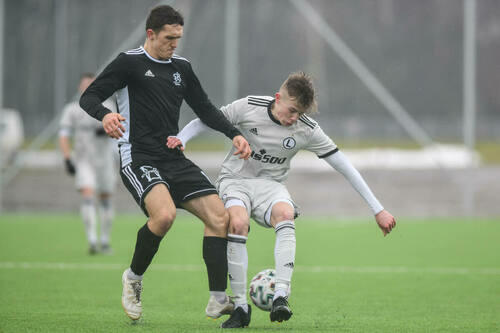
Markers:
point(175, 56)
point(138, 50)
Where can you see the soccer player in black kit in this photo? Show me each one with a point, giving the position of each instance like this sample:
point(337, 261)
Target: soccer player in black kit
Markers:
point(151, 82)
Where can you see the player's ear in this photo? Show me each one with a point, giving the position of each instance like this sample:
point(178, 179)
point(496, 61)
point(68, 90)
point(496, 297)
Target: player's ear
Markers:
point(277, 96)
point(150, 33)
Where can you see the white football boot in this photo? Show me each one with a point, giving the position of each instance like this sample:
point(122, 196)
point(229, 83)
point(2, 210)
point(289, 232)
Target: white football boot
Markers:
point(131, 297)
point(215, 309)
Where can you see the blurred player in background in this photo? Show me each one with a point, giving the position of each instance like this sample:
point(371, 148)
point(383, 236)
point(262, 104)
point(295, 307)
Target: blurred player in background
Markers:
point(276, 128)
point(92, 164)
point(151, 83)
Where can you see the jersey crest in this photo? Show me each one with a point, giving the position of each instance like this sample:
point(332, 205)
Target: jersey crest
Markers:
point(289, 143)
point(177, 78)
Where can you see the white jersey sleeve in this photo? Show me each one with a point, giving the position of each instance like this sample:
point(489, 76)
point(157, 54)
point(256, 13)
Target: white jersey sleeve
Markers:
point(342, 164)
point(194, 128)
point(233, 111)
point(320, 143)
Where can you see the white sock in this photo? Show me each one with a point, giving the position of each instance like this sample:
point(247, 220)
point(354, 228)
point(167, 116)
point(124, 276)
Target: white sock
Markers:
point(243, 306)
point(106, 217)
point(220, 296)
point(284, 256)
point(237, 263)
point(132, 276)
point(87, 211)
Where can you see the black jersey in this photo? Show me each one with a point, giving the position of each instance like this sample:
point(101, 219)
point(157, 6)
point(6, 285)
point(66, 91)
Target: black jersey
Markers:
point(149, 96)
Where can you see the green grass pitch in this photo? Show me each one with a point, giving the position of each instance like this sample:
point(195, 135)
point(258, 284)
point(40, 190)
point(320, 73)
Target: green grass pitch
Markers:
point(427, 276)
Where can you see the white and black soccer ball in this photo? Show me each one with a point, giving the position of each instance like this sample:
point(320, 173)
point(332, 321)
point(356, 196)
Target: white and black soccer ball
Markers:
point(262, 289)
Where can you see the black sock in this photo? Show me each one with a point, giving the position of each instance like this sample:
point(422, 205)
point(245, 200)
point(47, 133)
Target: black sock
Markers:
point(215, 256)
point(145, 249)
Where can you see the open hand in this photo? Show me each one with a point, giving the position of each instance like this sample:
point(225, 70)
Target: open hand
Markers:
point(112, 125)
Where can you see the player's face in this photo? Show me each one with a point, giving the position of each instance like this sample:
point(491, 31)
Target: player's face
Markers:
point(287, 111)
point(164, 43)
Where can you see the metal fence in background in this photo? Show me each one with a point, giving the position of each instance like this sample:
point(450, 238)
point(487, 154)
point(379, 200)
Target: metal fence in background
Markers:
point(413, 48)
point(385, 70)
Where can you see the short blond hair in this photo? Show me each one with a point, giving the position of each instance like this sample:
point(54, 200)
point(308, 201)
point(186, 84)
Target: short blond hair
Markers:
point(300, 89)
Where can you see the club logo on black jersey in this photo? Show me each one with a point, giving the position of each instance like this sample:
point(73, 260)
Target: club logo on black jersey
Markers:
point(177, 79)
point(289, 143)
point(150, 173)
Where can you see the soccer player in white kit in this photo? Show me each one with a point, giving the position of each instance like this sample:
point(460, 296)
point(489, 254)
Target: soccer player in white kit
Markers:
point(276, 128)
point(93, 167)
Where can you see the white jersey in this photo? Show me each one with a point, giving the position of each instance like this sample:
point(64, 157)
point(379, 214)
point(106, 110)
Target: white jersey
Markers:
point(273, 145)
point(87, 145)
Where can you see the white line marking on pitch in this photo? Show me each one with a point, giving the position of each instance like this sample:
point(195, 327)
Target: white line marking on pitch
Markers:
point(306, 269)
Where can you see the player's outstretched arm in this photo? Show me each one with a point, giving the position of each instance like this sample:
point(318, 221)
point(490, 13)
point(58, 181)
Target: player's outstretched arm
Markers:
point(192, 129)
point(112, 125)
point(341, 163)
point(239, 142)
point(385, 221)
point(196, 127)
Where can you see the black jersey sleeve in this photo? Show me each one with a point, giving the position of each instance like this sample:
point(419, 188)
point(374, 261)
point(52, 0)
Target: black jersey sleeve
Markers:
point(112, 78)
point(198, 100)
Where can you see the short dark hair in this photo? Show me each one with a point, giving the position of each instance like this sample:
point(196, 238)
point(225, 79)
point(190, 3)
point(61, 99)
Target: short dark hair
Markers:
point(161, 15)
point(300, 88)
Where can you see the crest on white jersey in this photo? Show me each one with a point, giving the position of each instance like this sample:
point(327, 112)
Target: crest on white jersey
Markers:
point(289, 143)
point(177, 79)
point(150, 173)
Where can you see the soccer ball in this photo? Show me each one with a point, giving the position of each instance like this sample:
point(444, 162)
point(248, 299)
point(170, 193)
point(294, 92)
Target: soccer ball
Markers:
point(262, 289)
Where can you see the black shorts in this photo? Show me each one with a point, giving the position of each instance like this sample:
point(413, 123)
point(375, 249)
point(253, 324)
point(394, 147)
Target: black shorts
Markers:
point(184, 179)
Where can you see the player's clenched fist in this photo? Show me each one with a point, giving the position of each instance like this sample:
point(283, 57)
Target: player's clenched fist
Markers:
point(385, 221)
point(112, 125)
point(175, 142)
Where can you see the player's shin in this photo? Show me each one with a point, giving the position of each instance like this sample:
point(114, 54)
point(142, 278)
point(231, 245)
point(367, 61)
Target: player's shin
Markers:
point(89, 218)
point(215, 256)
point(237, 259)
point(146, 247)
point(284, 256)
point(106, 215)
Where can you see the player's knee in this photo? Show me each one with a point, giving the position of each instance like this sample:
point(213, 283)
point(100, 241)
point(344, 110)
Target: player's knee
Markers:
point(284, 215)
point(163, 220)
point(220, 220)
point(238, 226)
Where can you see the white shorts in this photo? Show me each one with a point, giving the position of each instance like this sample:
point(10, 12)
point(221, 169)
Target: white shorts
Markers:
point(258, 195)
point(99, 174)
